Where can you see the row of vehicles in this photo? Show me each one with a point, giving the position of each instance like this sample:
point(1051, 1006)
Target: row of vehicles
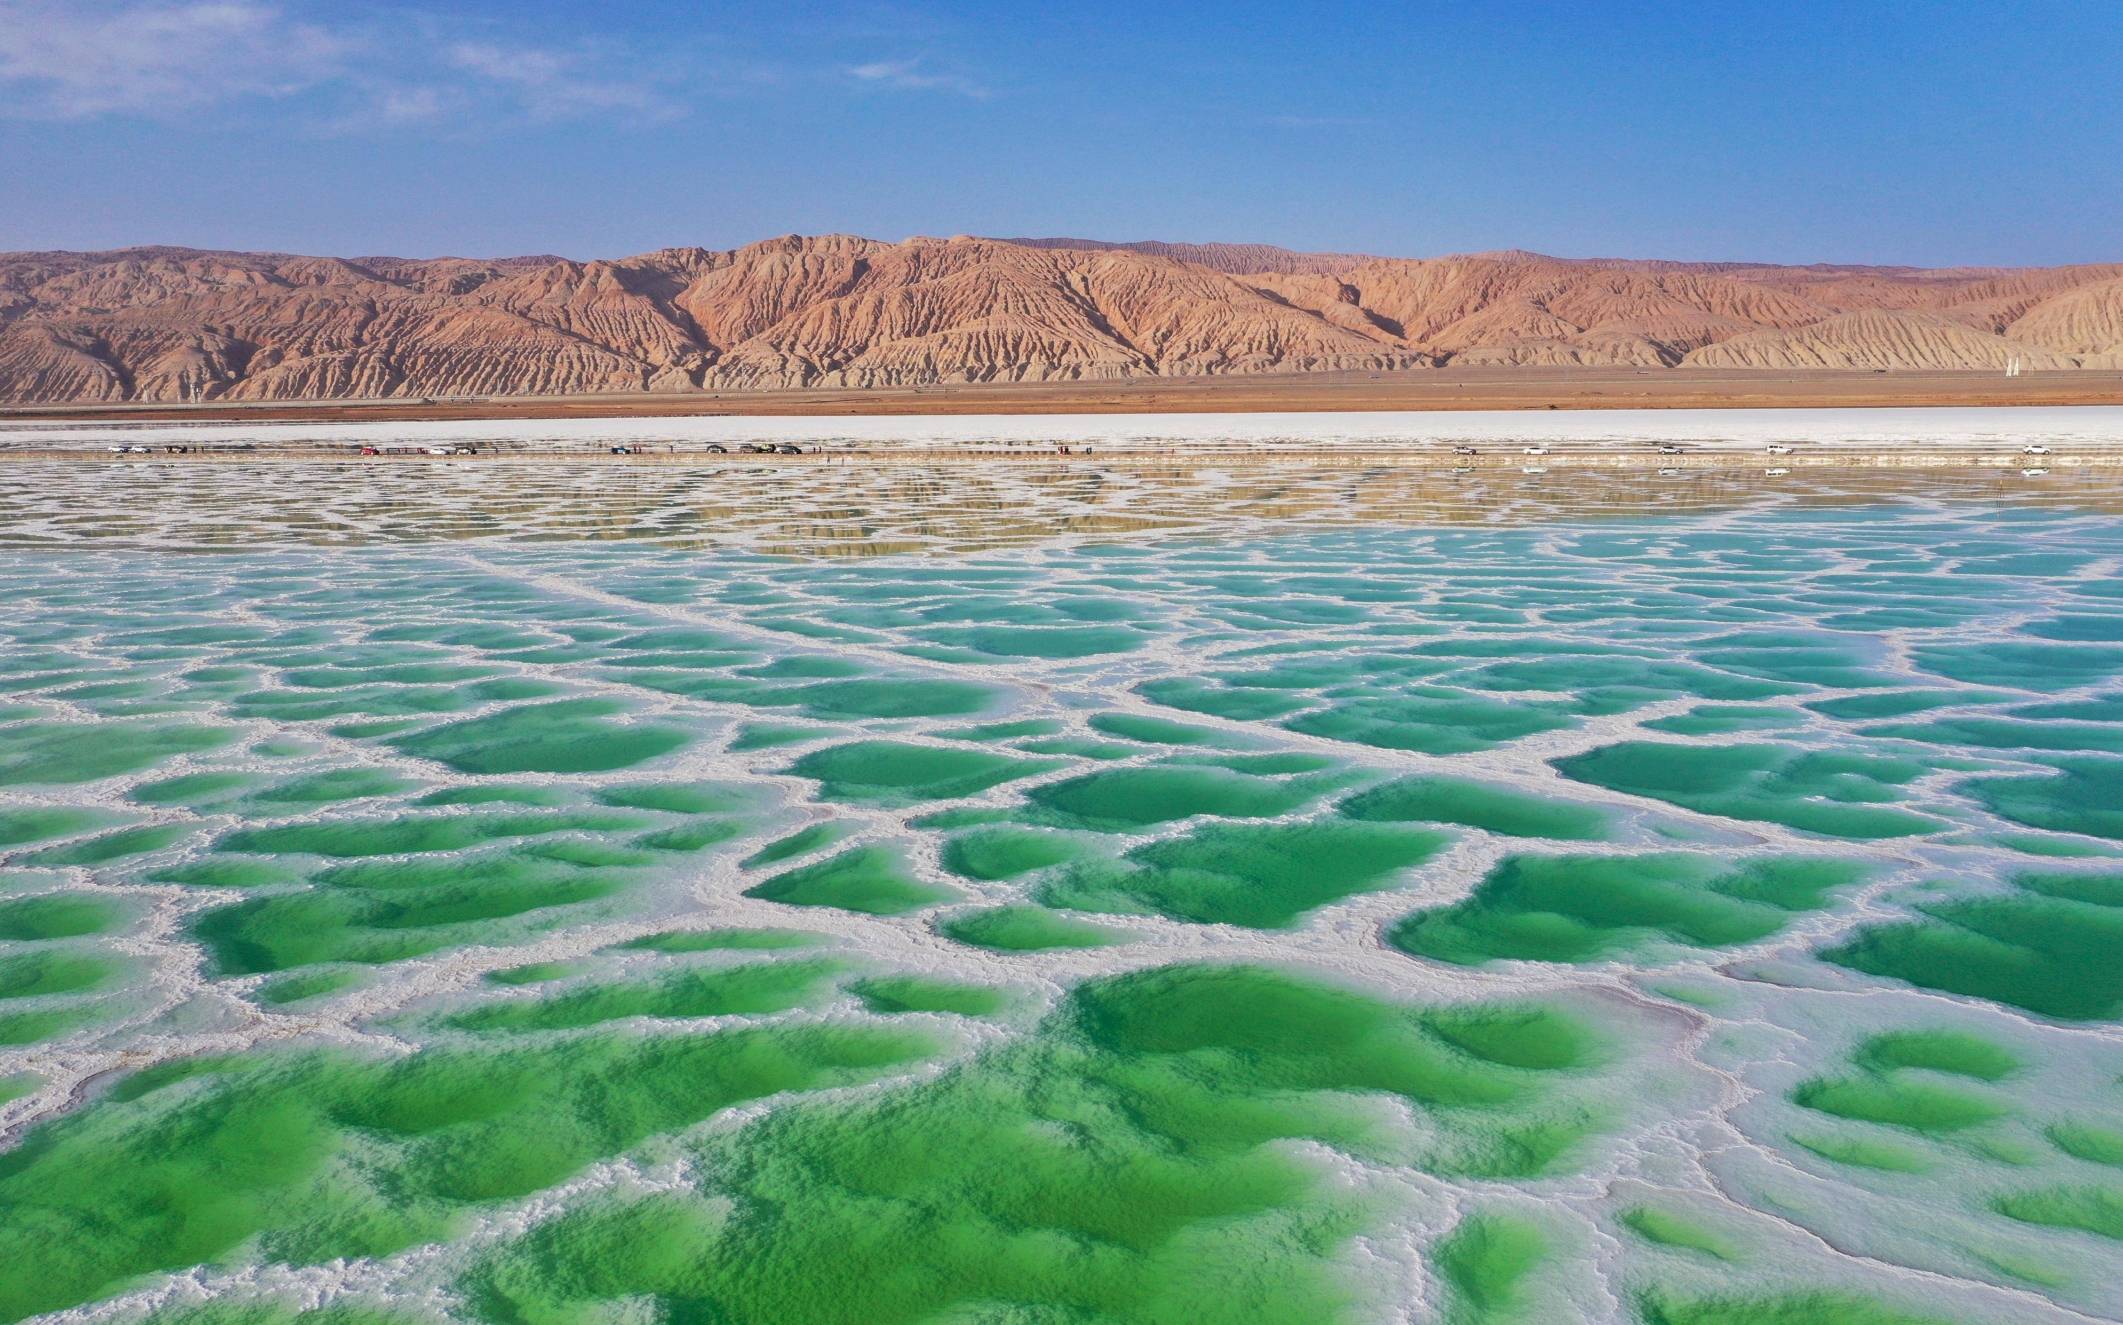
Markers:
point(1664, 448)
point(466, 449)
point(1669, 448)
point(717, 448)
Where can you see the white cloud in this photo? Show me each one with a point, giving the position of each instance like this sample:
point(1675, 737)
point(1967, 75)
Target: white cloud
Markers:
point(409, 105)
point(335, 70)
point(84, 59)
point(910, 76)
point(557, 85)
point(76, 60)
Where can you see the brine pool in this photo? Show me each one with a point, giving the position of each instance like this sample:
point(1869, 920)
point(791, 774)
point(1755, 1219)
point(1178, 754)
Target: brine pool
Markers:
point(569, 896)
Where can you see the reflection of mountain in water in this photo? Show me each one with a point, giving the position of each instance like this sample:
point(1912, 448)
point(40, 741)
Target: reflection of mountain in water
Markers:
point(856, 512)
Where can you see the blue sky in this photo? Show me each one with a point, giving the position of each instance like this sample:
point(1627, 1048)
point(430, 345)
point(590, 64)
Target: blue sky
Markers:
point(1932, 133)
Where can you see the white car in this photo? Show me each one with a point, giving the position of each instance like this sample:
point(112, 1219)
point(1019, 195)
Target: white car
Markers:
point(1778, 448)
point(2034, 448)
point(1536, 450)
point(1669, 448)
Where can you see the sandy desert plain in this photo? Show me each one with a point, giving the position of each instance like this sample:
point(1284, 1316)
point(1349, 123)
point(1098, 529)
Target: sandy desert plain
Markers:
point(1452, 389)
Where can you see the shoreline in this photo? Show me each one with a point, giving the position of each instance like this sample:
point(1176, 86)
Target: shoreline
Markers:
point(1502, 460)
point(1440, 390)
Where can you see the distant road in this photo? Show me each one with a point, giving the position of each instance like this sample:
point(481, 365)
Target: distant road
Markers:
point(1415, 389)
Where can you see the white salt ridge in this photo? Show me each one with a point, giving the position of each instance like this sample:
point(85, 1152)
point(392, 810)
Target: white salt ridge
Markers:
point(1883, 428)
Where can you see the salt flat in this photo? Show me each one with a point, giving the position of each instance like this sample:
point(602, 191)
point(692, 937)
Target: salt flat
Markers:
point(1849, 429)
point(557, 893)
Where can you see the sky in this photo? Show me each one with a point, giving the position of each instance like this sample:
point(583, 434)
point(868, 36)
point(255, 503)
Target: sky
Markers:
point(1930, 132)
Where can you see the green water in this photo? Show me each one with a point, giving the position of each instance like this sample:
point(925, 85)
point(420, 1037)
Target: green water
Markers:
point(893, 773)
point(873, 880)
point(1260, 876)
point(185, 1164)
point(1497, 809)
point(1486, 1261)
point(1675, 1228)
point(1579, 908)
point(1027, 929)
point(1126, 1153)
point(2043, 944)
point(910, 993)
point(740, 990)
point(1832, 794)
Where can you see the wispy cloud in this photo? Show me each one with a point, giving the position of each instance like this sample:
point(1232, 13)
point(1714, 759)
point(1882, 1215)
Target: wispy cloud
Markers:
point(342, 70)
point(553, 84)
point(407, 105)
point(81, 59)
point(914, 76)
point(84, 59)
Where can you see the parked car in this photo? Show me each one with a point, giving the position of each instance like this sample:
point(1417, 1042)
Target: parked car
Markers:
point(1777, 448)
point(717, 448)
point(788, 448)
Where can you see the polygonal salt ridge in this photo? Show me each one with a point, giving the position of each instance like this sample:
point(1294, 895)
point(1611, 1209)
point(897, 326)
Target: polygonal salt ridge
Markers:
point(1970, 1095)
point(1327, 943)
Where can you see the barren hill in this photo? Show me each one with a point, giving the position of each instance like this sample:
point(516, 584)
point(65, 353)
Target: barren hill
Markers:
point(1232, 259)
point(166, 324)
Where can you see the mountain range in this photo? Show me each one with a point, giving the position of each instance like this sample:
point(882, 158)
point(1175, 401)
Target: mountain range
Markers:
point(172, 324)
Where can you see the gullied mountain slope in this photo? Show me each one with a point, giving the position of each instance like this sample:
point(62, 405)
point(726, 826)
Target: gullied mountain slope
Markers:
point(160, 324)
point(2086, 322)
point(1875, 338)
point(1231, 259)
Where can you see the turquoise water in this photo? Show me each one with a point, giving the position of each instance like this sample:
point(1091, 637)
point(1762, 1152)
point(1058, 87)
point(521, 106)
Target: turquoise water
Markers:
point(1014, 898)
